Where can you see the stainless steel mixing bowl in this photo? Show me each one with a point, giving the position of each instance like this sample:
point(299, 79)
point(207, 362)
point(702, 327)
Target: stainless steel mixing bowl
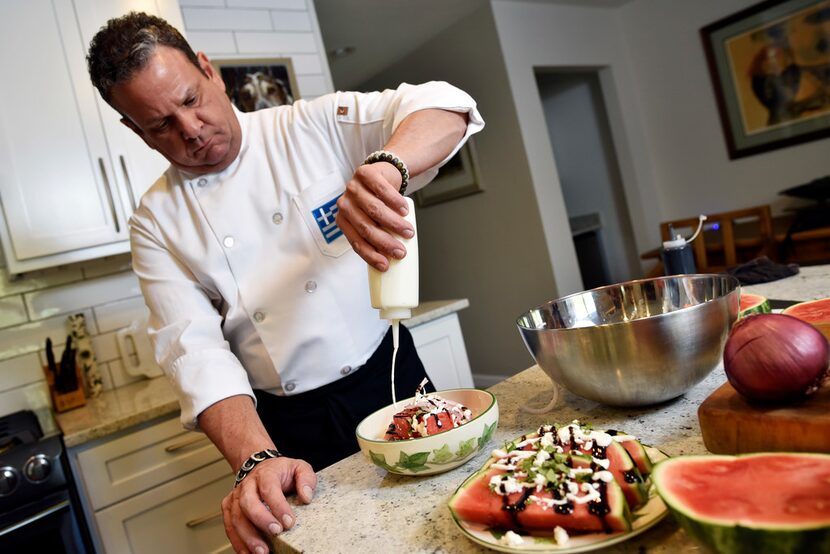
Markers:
point(634, 343)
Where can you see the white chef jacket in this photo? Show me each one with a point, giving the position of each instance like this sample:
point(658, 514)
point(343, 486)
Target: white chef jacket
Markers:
point(248, 280)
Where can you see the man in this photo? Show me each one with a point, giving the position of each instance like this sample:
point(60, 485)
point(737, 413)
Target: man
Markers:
point(259, 306)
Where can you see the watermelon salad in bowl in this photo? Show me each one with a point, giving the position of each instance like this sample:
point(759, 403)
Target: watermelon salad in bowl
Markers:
point(561, 488)
point(429, 433)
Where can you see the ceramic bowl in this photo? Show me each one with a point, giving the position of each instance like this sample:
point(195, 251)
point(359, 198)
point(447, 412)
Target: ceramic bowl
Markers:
point(435, 453)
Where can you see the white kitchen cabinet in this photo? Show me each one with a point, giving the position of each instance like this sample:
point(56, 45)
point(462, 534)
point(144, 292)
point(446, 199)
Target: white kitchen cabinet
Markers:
point(152, 489)
point(180, 516)
point(136, 165)
point(127, 465)
point(70, 174)
point(440, 346)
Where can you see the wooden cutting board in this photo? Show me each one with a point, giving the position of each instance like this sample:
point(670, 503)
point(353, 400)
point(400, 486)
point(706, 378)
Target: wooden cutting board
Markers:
point(730, 425)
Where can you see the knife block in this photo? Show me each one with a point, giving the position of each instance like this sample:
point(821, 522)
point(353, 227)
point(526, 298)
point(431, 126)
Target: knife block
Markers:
point(64, 401)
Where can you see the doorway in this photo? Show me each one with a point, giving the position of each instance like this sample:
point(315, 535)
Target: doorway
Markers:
point(589, 174)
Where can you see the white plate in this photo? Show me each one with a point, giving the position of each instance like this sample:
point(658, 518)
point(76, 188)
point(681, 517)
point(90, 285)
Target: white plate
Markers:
point(644, 518)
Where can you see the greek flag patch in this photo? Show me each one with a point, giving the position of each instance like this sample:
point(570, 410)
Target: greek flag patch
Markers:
point(324, 216)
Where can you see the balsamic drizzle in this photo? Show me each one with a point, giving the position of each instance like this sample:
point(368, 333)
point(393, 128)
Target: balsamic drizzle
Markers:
point(516, 507)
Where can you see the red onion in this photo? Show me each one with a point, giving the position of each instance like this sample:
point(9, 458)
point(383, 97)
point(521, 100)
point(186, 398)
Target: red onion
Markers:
point(775, 358)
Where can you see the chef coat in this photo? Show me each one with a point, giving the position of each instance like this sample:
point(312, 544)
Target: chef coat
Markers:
point(249, 282)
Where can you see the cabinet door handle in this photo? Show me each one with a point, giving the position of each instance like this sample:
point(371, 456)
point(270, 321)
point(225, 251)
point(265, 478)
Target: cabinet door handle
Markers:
point(197, 521)
point(109, 194)
point(187, 441)
point(128, 181)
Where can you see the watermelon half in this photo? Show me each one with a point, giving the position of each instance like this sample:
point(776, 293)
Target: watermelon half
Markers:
point(815, 312)
point(753, 304)
point(768, 503)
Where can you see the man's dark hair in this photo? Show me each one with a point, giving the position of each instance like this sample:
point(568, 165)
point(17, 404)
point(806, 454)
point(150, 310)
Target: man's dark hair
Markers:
point(125, 44)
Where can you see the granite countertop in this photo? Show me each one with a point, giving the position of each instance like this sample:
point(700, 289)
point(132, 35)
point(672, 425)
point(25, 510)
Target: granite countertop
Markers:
point(410, 514)
point(148, 399)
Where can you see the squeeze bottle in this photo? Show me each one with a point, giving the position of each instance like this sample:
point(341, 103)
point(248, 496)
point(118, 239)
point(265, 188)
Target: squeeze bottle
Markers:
point(676, 253)
point(395, 291)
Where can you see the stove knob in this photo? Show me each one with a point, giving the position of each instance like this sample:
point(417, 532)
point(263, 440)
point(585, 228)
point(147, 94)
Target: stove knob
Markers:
point(37, 468)
point(8, 480)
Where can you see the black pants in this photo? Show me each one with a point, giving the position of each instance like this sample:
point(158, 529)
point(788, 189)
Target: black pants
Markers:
point(318, 426)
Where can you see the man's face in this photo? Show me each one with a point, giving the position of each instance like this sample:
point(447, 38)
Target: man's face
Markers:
point(180, 112)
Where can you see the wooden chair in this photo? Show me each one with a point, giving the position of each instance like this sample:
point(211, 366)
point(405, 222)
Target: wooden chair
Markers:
point(738, 237)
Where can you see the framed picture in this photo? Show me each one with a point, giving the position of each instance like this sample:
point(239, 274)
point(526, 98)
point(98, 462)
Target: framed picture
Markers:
point(254, 84)
point(770, 67)
point(457, 178)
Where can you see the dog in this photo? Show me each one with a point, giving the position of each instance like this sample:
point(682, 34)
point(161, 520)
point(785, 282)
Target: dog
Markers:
point(260, 90)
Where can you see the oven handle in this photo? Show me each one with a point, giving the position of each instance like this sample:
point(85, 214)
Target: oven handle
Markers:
point(47, 512)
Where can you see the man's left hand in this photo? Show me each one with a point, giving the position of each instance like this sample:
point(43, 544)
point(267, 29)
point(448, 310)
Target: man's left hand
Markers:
point(370, 214)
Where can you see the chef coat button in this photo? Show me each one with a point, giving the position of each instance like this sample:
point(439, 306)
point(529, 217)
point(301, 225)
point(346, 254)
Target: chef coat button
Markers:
point(259, 317)
point(290, 386)
point(310, 286)
point(228, 241)
point(276, 218)
point(346, 370)
point(201, 182)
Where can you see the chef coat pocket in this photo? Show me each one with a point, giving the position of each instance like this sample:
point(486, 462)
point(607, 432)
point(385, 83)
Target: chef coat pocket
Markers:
point(317, 205)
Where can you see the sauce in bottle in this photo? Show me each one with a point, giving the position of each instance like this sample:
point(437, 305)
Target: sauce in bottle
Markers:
point(395, 291)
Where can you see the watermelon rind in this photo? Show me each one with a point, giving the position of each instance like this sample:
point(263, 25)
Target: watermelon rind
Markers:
point(727, 537)
point(759, 304)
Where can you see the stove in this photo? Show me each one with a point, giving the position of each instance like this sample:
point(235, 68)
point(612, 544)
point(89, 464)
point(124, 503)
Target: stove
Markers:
point(39, 511)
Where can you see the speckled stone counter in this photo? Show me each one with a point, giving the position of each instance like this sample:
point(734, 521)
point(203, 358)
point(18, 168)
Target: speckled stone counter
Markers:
point(360, 508)
point(118, 409)
point(121, 408)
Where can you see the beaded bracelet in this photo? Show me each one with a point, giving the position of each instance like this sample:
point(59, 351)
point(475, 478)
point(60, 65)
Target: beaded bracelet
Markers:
point(251, 463)
point(386, 156)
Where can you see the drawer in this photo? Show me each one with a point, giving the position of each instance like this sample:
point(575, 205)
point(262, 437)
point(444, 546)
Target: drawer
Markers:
point(181, 516)
point(122, 467)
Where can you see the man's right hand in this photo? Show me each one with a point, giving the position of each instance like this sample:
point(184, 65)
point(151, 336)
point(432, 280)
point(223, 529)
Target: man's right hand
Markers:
point(258, 506)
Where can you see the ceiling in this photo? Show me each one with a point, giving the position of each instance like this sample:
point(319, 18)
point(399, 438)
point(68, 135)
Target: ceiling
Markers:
point(383, 31)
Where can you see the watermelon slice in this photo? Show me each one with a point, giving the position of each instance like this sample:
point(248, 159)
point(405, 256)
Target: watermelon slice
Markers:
point(636, 450)
point(754, 503)
point(623, 468)
point(815, 312)
point(475, 502)
point(753, 304)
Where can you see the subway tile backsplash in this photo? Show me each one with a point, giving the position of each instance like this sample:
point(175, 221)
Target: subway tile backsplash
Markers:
point(35, 307)
point(72, 298)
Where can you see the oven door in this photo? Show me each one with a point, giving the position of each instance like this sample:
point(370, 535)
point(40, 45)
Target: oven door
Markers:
point(47, 525)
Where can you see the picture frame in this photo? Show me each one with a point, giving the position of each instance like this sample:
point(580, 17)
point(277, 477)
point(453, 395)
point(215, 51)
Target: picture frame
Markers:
point(457, 178)
point(770, 70)
point(256, 83)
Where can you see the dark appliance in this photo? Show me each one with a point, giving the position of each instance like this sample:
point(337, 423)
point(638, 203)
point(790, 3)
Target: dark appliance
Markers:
point(39, 509)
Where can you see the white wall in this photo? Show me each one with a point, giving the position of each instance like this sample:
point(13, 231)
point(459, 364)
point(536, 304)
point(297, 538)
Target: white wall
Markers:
point(587, 164)
point(689, 160)
point(545, 36)
point(488, 247)
point(662, 109)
